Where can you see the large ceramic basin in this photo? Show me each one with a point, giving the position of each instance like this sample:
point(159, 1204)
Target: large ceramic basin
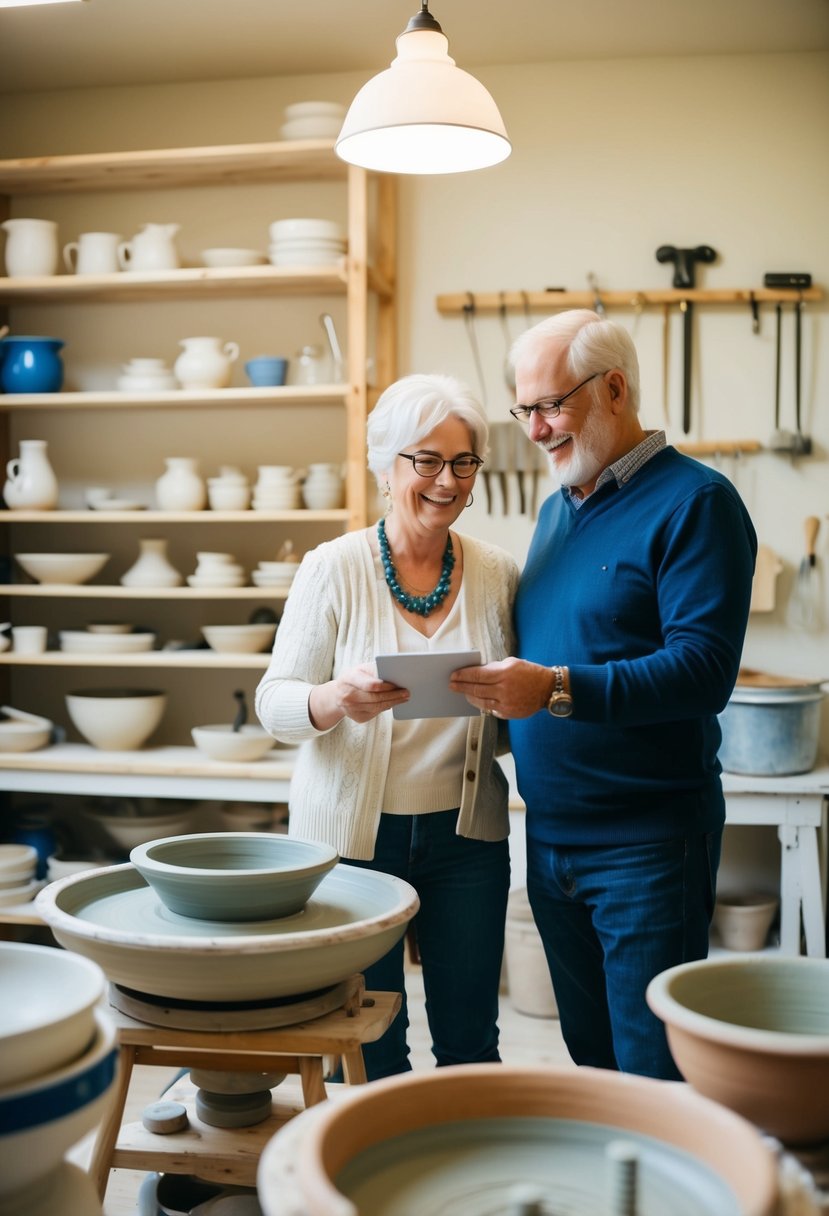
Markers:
point(489, 1139)
point(113, 917)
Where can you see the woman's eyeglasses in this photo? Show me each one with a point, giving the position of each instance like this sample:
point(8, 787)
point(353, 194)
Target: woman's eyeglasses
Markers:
point(552, 408)
point(426, 465)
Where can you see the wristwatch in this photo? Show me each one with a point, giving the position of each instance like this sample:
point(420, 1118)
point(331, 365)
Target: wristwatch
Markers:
point(560, 704)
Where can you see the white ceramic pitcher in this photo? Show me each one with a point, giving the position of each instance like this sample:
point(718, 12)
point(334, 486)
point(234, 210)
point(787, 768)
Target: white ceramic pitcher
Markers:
point(31, 482)
point(205, 362)
point(153, 248)
point(31, 247)
point(93, 253)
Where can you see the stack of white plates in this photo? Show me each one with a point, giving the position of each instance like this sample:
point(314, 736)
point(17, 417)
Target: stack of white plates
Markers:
point(275, 574)
point(18, 866)
point(312, 120)
point(82, 642)
point(306, 242)
point(217, 570)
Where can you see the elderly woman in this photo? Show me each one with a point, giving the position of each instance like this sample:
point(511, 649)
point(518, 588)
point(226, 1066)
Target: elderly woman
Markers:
point(422, 799)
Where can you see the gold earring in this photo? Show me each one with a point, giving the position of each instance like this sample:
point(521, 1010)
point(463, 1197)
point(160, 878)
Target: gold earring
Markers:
point(386, 492)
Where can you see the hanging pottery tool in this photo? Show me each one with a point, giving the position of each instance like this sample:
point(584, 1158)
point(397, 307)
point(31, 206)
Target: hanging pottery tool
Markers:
point(509, 371)
point(685, 265)
point(804, 611)
point(782, 440)
point(469, 322)
point(598, 303)
point(519, 461)
point(500, 445)
point(241, 711)
point(666, 363)
point(337, 360)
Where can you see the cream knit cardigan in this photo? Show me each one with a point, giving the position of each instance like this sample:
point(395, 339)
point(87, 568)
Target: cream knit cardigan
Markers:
point(339, 614)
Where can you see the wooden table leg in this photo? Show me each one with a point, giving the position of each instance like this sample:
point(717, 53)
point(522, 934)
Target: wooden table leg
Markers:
point(109, 1131)
point(313, 1085)
point(354, 1068)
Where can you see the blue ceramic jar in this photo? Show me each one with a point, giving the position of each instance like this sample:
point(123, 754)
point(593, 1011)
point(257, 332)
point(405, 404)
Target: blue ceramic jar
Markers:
point(30, 365)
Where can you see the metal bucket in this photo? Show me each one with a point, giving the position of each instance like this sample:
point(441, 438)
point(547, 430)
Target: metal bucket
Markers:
point(771, 732)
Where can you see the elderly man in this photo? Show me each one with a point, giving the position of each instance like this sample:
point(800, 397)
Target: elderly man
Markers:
point(631, 614)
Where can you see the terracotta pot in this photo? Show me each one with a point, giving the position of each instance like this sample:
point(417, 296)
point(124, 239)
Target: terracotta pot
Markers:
point(567, 1102)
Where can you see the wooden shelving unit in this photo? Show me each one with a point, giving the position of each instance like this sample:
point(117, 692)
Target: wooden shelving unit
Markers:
point(355, 279)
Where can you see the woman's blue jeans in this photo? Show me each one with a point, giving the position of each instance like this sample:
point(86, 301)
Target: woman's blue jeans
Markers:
point(611, 918)
point(463, 886)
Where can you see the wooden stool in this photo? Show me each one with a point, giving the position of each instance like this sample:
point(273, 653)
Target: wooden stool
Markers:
point(223, 1155)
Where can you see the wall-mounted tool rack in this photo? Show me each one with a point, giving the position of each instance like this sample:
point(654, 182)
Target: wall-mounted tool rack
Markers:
point(455, 303)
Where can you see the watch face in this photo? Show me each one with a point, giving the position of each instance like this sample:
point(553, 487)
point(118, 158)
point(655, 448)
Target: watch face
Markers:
point(561, 705)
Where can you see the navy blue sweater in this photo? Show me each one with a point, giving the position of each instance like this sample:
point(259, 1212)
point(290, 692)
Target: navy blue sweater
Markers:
point(643, 592)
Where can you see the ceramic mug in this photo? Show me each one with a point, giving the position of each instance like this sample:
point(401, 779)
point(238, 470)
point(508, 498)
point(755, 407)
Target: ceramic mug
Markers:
point(29, 639)
point(93, 253)
point(266, 370)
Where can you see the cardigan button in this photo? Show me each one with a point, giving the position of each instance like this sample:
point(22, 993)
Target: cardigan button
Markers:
point(473, 746)
point(470, 776)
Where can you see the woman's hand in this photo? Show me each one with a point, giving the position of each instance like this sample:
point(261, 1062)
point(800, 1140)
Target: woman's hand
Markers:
point(510, 688)
point(357, 694)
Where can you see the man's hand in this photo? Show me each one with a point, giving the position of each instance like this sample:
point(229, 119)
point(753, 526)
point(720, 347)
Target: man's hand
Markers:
point(511, 688)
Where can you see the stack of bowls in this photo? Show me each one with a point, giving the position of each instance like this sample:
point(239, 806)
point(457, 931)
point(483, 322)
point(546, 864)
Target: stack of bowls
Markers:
point(58, 1060)
point(85, 641)
point(275, 574)
point(306, 242)
point(217, 570)
point(277, 489)
point(18, 880)
point(312, 120)
point(230, 491)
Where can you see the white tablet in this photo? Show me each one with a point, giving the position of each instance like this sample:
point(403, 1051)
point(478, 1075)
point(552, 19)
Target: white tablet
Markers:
point(426, 675)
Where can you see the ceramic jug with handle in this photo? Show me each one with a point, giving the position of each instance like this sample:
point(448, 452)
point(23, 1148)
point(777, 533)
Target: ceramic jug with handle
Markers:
point(31, 247)
point(205, 362)
point(31, 482)
point(153, 248)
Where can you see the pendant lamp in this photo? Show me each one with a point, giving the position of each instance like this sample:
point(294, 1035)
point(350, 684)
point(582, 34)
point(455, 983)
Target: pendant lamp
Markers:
point(423, 114)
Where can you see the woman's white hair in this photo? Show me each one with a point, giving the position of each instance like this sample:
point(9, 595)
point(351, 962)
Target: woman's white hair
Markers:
point(593, 345)
point(412, 407)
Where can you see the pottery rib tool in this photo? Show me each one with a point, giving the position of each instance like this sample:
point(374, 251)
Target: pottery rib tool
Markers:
point(804, 604)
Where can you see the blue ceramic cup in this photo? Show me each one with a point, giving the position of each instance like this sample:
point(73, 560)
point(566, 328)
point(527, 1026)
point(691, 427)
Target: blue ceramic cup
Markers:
point(266, 370)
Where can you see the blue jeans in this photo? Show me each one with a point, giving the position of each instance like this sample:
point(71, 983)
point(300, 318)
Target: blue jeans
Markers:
point(463, 886)
point(611, 918)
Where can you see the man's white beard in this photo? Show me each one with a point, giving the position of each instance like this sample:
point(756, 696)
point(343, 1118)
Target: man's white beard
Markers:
point(585, 460)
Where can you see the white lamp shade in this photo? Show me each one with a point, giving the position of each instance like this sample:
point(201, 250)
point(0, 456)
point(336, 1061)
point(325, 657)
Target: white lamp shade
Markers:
point(423, 115)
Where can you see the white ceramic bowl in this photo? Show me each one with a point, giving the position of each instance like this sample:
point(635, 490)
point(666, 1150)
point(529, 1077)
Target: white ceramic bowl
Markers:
point(284, 571)
point(222, 742)
point(303, 257)
point(228, 256)
point(23, 732)
point(62, 567)
point(209, 580)
point(239, 639)
point(109, 627)
point(226, 497)
point(82, 642)
point(116, 719)
point(234, 876)
point(306, 227)
point(18, 863)
point(41, 1119)
point(127, 831)
point(47, 1013)
point(752, 1032)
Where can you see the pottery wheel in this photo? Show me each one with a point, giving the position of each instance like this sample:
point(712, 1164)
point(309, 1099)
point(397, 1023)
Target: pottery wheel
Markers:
point(218, 1016)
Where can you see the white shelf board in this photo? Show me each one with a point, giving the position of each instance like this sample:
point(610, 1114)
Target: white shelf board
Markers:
point(206, 660)
point(287, 395)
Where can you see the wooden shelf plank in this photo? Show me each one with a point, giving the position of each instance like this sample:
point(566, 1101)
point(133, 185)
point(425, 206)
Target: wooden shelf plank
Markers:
point(97, 591)
point(454, 303)
point(206, 660)
point(149, 761)
point(171, 168)
point(112, 399)
point(86, 516)
point(188, 283)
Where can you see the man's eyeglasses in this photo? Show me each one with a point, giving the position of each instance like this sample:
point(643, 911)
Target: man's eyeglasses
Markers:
point(552, 408)
point(426, 465)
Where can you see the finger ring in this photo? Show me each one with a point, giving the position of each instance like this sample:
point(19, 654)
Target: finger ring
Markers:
point(486, 712)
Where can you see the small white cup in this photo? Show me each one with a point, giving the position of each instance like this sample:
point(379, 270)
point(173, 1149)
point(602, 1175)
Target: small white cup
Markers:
point(29, 639)
point(93, 253)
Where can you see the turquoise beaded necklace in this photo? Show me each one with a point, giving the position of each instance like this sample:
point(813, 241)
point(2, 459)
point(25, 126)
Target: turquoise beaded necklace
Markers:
point(420, 604)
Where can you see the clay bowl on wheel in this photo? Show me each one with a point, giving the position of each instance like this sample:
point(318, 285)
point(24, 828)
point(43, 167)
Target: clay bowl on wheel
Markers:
point(485, 1138)
point(752, 1032)
point(234, 876)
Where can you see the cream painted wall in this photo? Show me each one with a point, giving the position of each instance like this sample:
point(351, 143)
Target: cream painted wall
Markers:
point(611, 159)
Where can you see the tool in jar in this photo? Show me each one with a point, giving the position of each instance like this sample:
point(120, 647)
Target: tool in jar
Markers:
point(338, 362)
point(804, 610)
point(684, 262)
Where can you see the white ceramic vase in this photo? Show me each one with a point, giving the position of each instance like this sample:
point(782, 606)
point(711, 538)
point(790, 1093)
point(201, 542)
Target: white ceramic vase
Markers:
point(323, 488)
point(205, 363)
point(181, 487)
point(31, 247)
point(153, 568)
point(31, 482)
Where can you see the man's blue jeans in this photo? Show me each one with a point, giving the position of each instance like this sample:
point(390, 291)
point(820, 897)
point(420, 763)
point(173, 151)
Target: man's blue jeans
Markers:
point(611, 918)
point(463, 886)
